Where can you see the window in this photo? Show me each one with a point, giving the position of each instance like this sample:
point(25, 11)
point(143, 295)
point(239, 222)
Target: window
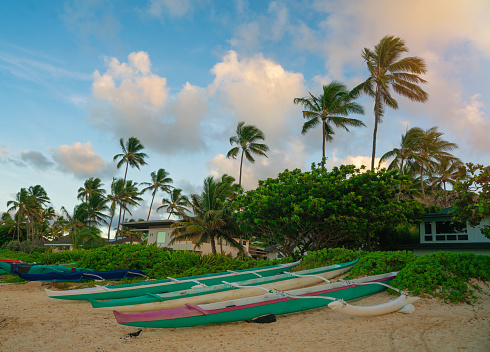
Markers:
point(161, 236)
point(451, 237)
point(449, 227)
point(428, 238)
point(428, 228)
point(440, 237)
point(463, 237)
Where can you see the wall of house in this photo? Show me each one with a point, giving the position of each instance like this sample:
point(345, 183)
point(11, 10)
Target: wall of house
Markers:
point(478, 251)
point(161, 236)
point(434, 231)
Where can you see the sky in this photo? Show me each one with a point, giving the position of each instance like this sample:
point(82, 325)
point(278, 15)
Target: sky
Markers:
point(77, 76)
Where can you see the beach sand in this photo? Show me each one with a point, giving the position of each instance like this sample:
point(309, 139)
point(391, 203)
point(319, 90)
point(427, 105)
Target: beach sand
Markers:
point(30, 321)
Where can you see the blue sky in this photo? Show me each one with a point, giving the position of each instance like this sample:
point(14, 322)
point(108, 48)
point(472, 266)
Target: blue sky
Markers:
point(76, 76)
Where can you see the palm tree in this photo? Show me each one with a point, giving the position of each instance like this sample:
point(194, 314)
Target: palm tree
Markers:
point(176, 205)
point(246, 140)
point(129, 197)
point(95, 208)
point(131, 155)
point(330, 109)
point(447, 171)
point(159, 181)
point(117, 193)
point(431, 151)
point(387, 71)
point(212, 218)
point(91, 186)
point(19, 205)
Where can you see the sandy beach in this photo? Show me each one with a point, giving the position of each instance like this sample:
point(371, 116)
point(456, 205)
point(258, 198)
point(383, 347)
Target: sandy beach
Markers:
point(30, 321)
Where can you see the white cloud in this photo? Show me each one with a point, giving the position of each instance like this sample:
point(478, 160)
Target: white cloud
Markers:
point(259, 92)
point(356, 160)
point(475, 124)
point(4, 152)
point(81, 160)
point(131, 100)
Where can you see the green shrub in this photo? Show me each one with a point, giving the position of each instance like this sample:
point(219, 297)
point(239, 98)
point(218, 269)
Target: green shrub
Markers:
point(445, 275)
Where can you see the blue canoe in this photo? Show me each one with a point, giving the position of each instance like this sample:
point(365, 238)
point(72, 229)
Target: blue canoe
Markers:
point(77, 276)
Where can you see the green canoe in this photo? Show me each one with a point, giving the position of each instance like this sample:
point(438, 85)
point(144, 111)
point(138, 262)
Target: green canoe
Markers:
point(220, 292)
point(274, 302)
point(169, 285)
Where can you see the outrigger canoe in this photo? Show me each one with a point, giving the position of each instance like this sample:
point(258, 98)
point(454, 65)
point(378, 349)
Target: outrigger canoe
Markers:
point(169, 285)
point(25, 268)
point(275, 302)
point(222, 292)
point(77, 276)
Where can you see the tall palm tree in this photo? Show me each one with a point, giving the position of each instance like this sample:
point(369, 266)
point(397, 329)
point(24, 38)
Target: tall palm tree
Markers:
point(91, 186)
point(131, 155)
point(387, 71)
point(246, 140)
point(95, 208)
point(330, 109)
point(129, 197)
point(159, 181)
point(211, 218)
point(118, 191)
point(176, 205)
point(19, 205)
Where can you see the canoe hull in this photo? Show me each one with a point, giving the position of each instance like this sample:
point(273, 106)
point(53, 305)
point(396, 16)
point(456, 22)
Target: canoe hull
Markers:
point(234, 310)
point(78, 276)
point(222, 292)
point(162, 286)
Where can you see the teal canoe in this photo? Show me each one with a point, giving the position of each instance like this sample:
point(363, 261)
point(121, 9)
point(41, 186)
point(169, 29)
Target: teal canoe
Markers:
point(37, 269)
point(220, 292)
point(274, 302)
point(169, 285)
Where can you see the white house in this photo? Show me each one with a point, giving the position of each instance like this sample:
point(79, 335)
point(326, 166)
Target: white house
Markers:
point(439, 233)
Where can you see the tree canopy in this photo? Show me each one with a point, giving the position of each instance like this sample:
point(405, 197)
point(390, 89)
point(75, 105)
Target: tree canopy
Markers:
point(300, 211)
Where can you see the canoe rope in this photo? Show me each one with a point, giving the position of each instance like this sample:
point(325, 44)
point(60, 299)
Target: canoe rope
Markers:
point(199, 283)
point(300, 275)
point(288, 295)
point(251, 272)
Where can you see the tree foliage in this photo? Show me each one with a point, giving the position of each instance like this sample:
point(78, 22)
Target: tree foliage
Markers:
point(474, 205)
point(300, 211)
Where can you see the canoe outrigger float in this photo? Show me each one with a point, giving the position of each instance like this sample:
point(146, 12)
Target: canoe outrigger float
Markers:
point(222, 292)
point(275, 302)
point(169, 285)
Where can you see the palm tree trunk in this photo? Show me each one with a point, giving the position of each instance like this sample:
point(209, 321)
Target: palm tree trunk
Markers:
point(241, 165)
point(376, 120)
point(422, 186)
point(109, 232)
point(324, 138)
point(445, 193)
point(119, 221)
point(213, 245)
point(399, 185)
point(151, 204)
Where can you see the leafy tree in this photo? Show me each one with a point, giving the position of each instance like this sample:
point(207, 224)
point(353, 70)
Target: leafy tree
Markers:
point(246, 140)
point(159, 181)
point(330, 109)
point(474, 205)
point(211, 218)
point(300, 211)
point(96, 206)
point(177, 204)
point(85, 235)
point(118, 192)
point(387, 71)
point(19, 205)
point(447, 171)
point(129, 197)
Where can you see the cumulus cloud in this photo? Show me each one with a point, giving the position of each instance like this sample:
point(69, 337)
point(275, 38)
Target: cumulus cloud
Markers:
point(131, 100)
point(475, 124)
point(4, 152)
point(81, 160)
point(36, 159)
point(260, 92)
point(356, 160)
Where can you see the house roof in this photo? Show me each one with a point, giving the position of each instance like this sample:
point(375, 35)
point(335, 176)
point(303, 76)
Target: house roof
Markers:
point(443, 213)
point(145, 225)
